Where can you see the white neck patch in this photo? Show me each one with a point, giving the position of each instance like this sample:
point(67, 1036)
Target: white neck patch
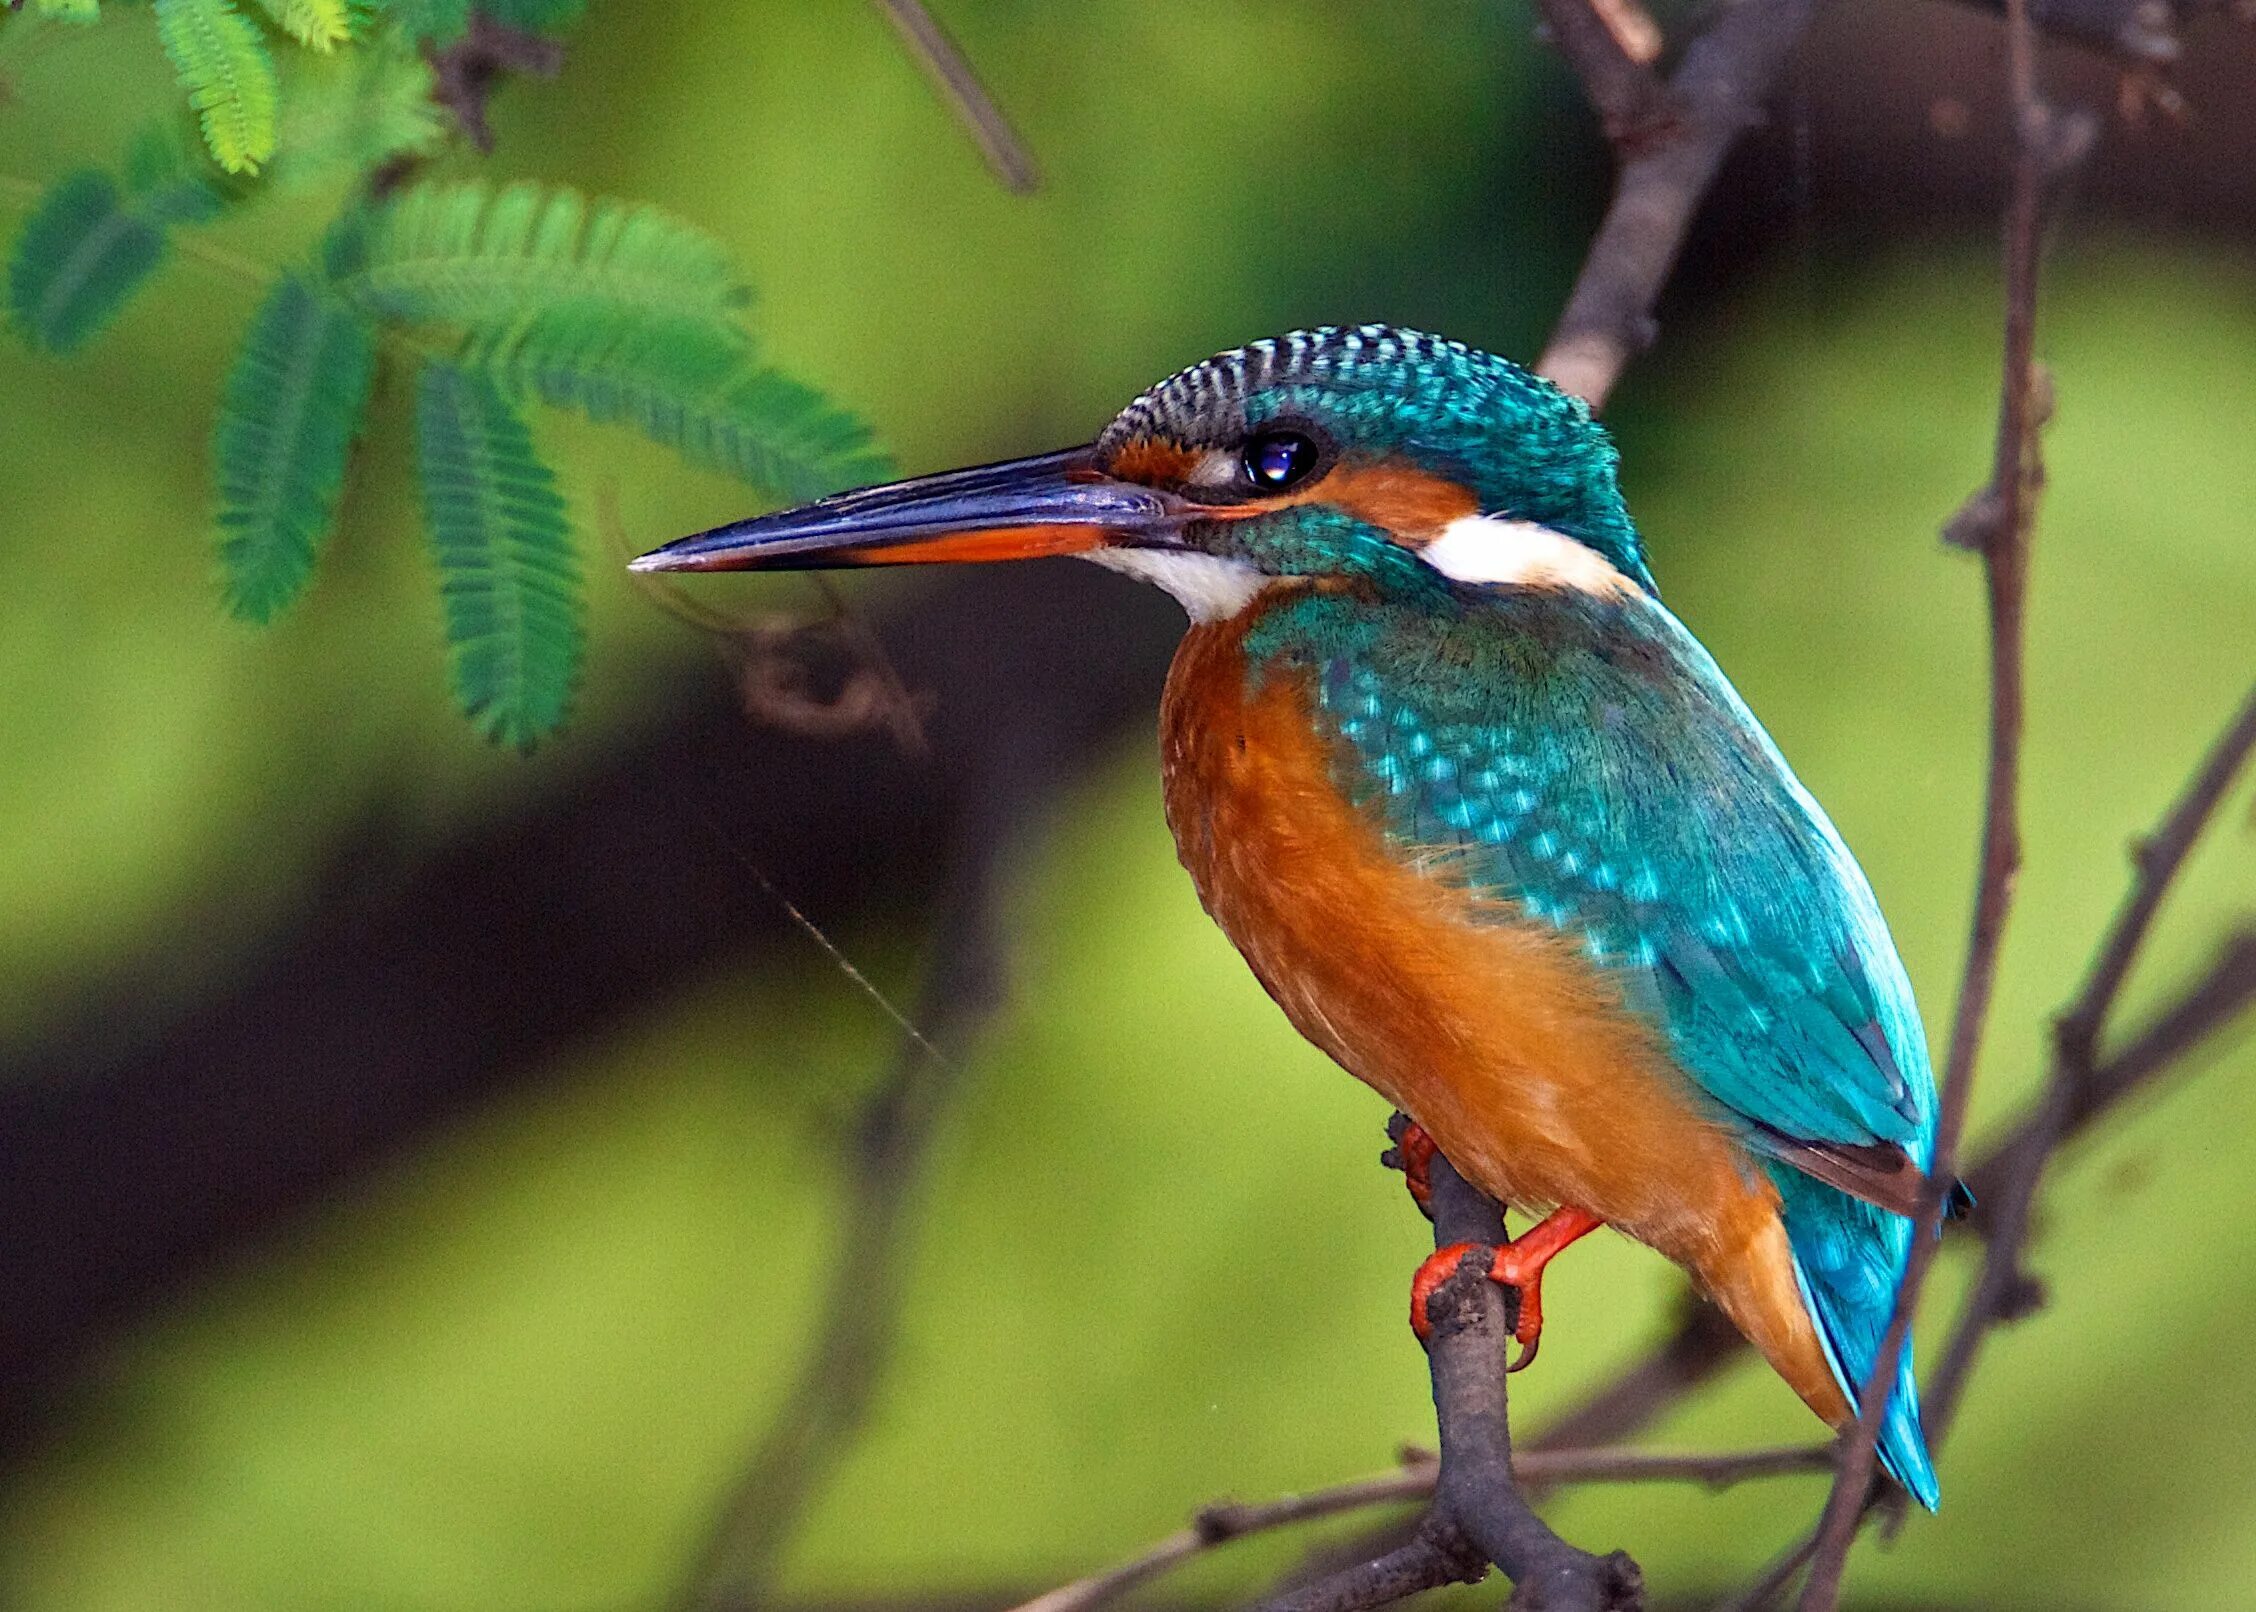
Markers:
point(1209, 587)
point(1492, 548)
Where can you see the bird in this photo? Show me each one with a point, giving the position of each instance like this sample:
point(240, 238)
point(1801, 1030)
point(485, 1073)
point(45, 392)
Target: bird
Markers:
point(1488, 822)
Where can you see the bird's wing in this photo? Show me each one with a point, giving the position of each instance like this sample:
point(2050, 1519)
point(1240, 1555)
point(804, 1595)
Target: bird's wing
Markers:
point(1609, 782)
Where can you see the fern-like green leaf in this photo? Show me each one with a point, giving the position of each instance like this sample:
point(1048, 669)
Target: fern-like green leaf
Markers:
point(508, 578)
point(692, 389)
point(223, 64)
point(355, 113)
point(82, 253)
point(293, 404)
point(462, 254)
point(323, 24)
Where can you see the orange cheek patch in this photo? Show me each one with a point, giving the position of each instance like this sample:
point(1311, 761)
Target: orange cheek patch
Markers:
point(1154, 462)
point(1407, 503)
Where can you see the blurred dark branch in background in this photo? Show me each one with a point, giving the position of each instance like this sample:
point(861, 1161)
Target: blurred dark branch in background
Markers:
point(1000, 147)
point(851, 1346)
point(1671, 147)
point(466, 73)
point(411, 990)
point(2149, 33)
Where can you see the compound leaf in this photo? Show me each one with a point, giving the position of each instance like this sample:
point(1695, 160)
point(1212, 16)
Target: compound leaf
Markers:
point(82, 254)
point(221, 61)
point(293, 403)
point(508, 579)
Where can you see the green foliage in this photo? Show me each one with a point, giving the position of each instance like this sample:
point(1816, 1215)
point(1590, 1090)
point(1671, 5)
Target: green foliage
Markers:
point(506, 296)
point(464, 254)
point(686, 391)
point(229, 76)
point(322, 24)
point(70, 10)
point(82, 253)
point(507, 575)
point(91, 243)
point(353, 114)
point(293, 405)
point(622, 313)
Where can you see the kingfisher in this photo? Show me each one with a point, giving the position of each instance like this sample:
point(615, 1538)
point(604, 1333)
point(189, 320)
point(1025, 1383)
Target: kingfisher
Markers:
point(1487, 821)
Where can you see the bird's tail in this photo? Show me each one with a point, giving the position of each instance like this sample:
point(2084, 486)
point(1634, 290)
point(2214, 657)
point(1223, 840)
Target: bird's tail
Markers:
point(1848, 1257)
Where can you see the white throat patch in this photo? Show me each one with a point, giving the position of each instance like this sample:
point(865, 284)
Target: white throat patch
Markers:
point(1492, 548)
point(1209, 587)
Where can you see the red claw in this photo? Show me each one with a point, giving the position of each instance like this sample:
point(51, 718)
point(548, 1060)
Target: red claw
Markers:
point(1415, 1149)
point(1518, 1264)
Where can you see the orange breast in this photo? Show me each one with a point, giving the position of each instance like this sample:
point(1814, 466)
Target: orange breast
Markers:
point(1496, 1034)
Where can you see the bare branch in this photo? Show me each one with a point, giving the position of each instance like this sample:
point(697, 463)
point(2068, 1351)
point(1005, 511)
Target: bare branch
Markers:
point(1716, 94)
point(2006, 511)
point(1219, 1525)
point(1479, 1514)
point(1632, 102)
point(1000, 147)
point(2157, 858)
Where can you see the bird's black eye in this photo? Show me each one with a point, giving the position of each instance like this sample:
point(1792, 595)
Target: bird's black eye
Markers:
point(1277, 460)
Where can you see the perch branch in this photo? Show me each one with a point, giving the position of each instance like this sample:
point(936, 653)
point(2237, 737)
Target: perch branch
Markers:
point(1479, 1514)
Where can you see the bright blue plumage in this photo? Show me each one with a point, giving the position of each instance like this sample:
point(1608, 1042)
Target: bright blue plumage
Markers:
point(1582, 758)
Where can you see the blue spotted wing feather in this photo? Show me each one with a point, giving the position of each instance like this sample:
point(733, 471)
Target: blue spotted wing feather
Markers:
point(1585, 762)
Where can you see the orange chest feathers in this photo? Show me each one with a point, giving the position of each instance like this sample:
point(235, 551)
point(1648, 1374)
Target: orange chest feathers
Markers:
point(1492, 1031)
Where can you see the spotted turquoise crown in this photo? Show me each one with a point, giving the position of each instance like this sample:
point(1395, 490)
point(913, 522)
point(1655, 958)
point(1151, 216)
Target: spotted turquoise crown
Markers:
point(1525, 449)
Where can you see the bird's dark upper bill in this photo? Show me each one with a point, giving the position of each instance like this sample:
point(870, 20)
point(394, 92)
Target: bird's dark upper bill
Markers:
point(1056, 503)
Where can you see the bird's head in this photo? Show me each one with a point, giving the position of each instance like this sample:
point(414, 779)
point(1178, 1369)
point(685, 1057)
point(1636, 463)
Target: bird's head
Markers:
point(1371, 457)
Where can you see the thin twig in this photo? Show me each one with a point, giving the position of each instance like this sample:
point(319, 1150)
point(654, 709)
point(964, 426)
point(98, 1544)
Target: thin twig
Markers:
point(1000, 147)
point(2003, 1290)
point(2007, 509)
point(1219, 1525)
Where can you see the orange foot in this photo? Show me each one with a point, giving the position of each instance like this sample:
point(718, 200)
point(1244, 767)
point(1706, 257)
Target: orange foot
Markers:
point(1412, 1154)
point(1518, 1265)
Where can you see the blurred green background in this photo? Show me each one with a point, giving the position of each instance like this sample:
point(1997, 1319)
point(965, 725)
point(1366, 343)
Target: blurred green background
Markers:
point(509, 1351)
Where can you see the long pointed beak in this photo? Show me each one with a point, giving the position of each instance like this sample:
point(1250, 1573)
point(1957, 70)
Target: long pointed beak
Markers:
point(1055, 503)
